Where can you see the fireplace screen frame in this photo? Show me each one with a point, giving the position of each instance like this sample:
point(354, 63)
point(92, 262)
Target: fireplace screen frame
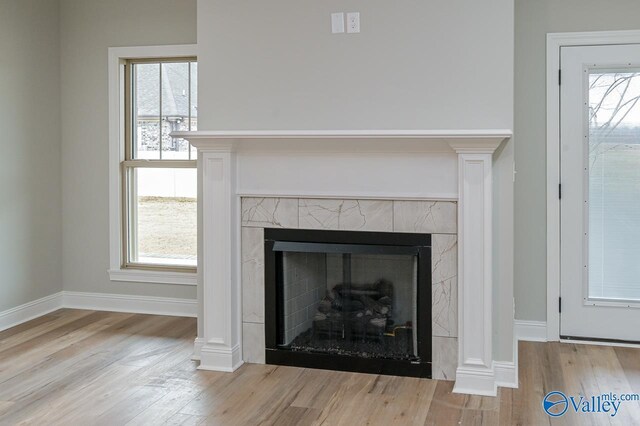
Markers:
point(275, 243)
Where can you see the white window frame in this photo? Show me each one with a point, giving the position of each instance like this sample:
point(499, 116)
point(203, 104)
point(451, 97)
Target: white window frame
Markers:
point(117, 58)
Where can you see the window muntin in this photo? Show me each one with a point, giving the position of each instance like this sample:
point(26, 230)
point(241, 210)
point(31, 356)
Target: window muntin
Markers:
point(159, 171)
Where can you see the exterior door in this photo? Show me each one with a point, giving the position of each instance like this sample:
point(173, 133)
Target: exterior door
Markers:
point(600, 192)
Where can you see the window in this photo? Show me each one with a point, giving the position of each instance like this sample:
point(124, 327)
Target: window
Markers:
point(158, 171)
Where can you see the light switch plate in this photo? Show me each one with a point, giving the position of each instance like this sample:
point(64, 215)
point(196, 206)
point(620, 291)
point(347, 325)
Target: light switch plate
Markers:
point(353, 22)
point(337, 23)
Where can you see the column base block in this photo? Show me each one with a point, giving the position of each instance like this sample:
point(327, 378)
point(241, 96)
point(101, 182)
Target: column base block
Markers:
point(216, 358)
point(475, 381)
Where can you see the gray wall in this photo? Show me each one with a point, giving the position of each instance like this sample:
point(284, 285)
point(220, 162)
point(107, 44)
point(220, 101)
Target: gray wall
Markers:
point(415, 65)
point(30, 188)
point(534, 19)
point(88, 29)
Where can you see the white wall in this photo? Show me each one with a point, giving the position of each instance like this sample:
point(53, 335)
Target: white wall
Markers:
point(534, 19)
point(88, 28)
point(415, 65)
point(30, 189)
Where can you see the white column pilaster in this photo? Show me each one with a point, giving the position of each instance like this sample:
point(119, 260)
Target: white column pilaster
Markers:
point(218, 342)
point(475, 374)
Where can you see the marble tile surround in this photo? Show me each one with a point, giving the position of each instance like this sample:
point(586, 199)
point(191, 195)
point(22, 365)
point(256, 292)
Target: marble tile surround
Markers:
point(428, 217)
point(444, 280)
point(253, 342)
point(444, 357)
point(270, 212)
point(438, 218)
point(346, 215)
point(253, 275)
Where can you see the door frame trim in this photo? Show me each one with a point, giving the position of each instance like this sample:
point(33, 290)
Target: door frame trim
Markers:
point(555, 41)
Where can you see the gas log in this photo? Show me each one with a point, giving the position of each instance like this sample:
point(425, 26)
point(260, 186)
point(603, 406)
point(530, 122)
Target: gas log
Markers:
point(355, 311)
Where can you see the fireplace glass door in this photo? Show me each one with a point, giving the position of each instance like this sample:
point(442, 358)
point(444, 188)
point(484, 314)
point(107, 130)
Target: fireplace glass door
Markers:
point(346, 303)
point(346, 299)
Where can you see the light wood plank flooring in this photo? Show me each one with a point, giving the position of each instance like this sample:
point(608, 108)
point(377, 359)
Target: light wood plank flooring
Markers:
point(76, 367)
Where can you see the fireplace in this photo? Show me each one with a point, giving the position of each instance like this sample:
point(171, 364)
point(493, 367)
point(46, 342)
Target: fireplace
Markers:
point(352, 301)
point(439, 183)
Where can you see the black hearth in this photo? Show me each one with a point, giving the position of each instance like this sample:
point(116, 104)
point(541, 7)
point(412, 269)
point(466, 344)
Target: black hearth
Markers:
point(352, 301)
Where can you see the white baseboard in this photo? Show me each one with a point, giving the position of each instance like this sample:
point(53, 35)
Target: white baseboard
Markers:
point(599, 343)
point(31, 310)
point(130, 304)
point(98, 302)
point(506, 374)
point(532, 331)
point(485, 381)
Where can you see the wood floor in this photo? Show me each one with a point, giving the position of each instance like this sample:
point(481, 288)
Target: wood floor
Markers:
point(77, 367)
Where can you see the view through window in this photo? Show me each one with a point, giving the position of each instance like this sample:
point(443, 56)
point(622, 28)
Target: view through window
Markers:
point(614, 180)
point(159, 171)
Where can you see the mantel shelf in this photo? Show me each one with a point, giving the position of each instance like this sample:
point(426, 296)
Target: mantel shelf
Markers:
point(347, 134)
point(482, 140)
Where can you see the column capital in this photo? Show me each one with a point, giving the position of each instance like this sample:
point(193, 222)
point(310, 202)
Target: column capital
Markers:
point(475, 146)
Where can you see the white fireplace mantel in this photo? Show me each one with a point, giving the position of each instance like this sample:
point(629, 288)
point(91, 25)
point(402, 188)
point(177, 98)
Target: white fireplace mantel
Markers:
point(218, 346)
point(368, 140)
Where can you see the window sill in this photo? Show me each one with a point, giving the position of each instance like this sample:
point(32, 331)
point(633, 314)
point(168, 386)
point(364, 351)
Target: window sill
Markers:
point(155, 277)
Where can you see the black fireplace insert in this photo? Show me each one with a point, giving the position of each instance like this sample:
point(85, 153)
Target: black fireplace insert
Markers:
point(350, 301)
